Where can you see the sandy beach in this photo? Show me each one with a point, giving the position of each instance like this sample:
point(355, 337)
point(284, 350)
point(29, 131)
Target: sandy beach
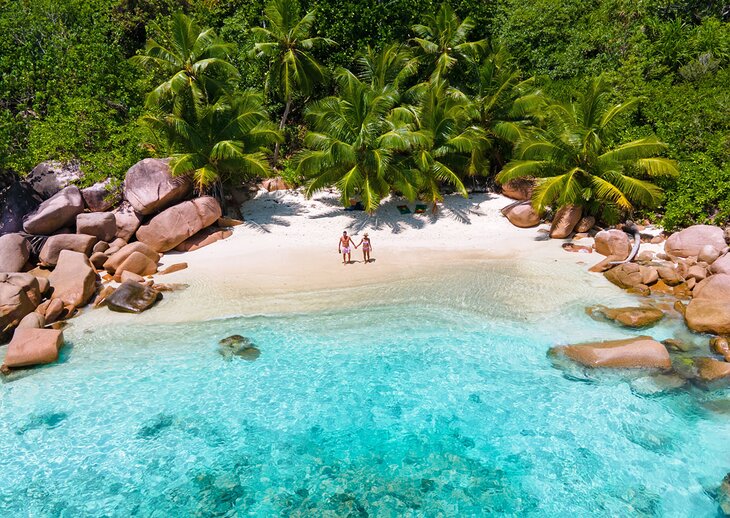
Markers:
point(284, 257)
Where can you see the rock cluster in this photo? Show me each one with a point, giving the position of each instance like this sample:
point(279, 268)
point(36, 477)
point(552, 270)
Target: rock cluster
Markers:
point(61, 248)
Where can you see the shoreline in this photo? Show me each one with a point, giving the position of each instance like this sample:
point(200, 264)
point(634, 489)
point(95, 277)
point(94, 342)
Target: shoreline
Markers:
point(284, 259)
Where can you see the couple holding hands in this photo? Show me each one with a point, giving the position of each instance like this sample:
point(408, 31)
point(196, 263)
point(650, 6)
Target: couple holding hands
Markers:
point(346, 243)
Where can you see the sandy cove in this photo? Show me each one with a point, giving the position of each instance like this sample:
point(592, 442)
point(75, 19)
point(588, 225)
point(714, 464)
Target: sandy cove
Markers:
point(287, 248)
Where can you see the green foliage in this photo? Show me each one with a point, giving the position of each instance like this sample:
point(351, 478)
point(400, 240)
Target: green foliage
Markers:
point(575, 164)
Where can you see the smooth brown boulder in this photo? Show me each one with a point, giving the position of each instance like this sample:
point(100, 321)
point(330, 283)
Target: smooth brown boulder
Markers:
point(669, 275)
point(149, 186)
point(629, 275)
point(565, 220)
point(697, 272)
point(33, 347)
point(32, 320)
point(101, 196)
point(633, 317)
point(44, 285)
point(98, 259)
point(128, 221)
point(115, 260)
point(585, 224)
point(56, 212)
point(176, 224)
point(74, 279)
point(690, 241)
point(205, 237)
point(519, 188)
point(52, 310)
point(101, 246)
point(228, 222)
point(14, 253)
point(709, 309)
point(138, 263)
point(19, 296)
point(720, 345)
point(708, 254)
point(132, 297)
point(54, 245)
point(102, 225)
point(710, 369)
point(613, 243)
point(721, 265)
point(641, 352)
point(522, 215)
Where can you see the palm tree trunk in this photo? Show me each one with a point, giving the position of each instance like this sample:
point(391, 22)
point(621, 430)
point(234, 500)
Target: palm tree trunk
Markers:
point(287, 109)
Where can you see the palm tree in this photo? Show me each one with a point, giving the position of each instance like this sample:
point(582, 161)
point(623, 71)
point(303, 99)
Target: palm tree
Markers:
point(286, 44)
point(218, 142)
point(576, 164)
point(194, 62)
point(391, 66)
point(358, 143)
point(442, 41)
point(451, 141)
point(505, 105)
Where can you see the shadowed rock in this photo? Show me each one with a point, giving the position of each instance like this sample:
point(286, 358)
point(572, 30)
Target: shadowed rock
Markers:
point(132, 297)
point(237, 345)
point(56, 212)
point(14, 252)
point(150, 187)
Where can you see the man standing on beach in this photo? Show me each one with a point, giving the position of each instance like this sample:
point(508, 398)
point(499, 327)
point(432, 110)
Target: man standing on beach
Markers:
point(343, 247)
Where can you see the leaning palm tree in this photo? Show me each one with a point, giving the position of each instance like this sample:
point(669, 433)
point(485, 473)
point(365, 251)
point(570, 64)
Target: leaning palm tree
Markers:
point(358, 140)
point(451, 141)
point(220, 142)
point(194, 62)
point(575, 163)
point(286, 44)
point(442, 41)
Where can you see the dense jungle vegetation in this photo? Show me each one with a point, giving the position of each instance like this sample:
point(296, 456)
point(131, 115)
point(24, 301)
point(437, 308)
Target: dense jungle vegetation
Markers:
point(607, 102)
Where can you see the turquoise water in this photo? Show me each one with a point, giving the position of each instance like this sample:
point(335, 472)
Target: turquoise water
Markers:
point(440, 407)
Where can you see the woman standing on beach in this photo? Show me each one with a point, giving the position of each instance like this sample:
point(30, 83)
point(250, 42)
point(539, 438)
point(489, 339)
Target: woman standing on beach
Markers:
point(366, 247)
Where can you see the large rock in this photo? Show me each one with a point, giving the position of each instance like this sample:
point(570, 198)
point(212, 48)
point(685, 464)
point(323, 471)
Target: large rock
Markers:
point(176, 224)
point(137, 263)
point(17, 199)
point(710, 369)
point(630, 275)
point(19, 296)
point(631, 353)
point(31, 346)
point(275, 184)
point(585, 224)
point(132, 297)
point(102, 225)
point(721, 265)
point(690, 241)
point(118, 258)
point(48, 178)
point(128, 220)
point(613, 243)
point(74, 279)
point(633, 317)
point(101, 196)
point(56, 212)
point(205, 237)
point(14, 252)
point(150, 187)
point(32, 320)
point(519, 188)
point(709, 310)
point(522, 215)
point(56, 244)
point(565, 220)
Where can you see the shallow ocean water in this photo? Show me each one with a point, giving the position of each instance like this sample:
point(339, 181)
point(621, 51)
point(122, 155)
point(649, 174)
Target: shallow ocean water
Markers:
point(442, 403)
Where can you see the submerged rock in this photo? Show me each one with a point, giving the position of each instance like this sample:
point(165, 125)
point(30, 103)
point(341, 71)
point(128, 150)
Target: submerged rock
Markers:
point(237, 345)
point(631, 353)
point(633, 317)
point(132, 297)
point(723, 495)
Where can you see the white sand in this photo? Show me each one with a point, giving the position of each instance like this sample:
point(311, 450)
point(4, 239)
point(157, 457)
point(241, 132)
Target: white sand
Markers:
point(284, 258)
